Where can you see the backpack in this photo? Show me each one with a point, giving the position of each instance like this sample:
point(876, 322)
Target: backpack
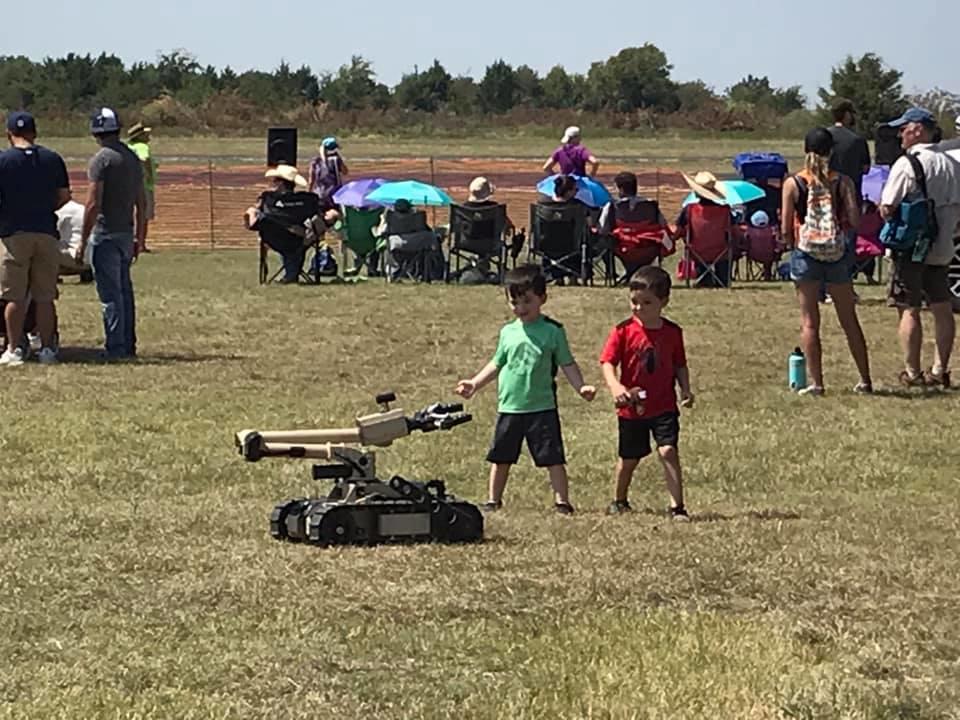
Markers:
point(913, 228)
point(818, 212)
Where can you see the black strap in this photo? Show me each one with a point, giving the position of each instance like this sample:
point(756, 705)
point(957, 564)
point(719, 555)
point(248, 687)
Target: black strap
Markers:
point(918, 172)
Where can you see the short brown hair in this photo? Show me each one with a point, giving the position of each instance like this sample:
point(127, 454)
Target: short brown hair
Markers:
point(526, 278)
point(842, 106)
point(653, 279)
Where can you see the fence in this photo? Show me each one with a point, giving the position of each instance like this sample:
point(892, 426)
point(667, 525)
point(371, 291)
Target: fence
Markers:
point(200, 206)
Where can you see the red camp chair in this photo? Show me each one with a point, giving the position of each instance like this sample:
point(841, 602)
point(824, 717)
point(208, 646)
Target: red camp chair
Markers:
point(708, 246)
point(636, 240)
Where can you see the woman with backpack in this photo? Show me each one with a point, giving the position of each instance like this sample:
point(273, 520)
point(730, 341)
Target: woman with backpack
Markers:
point(821, 213)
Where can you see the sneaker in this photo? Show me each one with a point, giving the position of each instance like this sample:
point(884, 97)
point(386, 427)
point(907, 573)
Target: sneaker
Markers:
point(679, 514)
point(564, 508)
point(619, 507)
point(812, 390)
point(940, 379)
point(47, 356)
point(910, 380)
point(492, 506)
point(863, 388)
point(12, 357)
point(35, 342)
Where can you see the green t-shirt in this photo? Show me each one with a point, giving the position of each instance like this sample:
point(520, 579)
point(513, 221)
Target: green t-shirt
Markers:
point(142, 151)
point(528, 356)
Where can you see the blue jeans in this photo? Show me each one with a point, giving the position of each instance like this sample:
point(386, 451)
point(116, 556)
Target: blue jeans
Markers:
point(112, 255)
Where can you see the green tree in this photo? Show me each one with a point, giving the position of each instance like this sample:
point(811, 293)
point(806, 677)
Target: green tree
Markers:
point(873, 88)
point(695, 95)
point(560, 89)
point(637, 77)
point(528, 88)
point(175, 67)
point(758, 91)
point(426, 91)
point(354, 87)
point(497, 91)
point(463, 96)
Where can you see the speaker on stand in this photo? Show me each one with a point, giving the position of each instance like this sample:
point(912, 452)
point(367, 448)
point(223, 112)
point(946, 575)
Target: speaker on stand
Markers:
point(281, 146)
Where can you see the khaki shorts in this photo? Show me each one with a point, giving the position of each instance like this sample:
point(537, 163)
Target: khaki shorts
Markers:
point(150, 206)
point(29, 262)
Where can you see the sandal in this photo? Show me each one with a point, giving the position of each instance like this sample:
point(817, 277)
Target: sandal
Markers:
point(564, 508)
point(909, 380)
point(492, 505)
point(940, 379)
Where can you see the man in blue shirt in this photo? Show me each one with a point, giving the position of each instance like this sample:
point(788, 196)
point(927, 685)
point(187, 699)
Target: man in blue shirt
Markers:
point(33, 186)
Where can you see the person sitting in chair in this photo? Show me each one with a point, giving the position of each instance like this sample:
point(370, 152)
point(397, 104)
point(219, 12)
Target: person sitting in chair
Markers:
point(406, 232)
point(280, 216)
point(633, 226)
point(480, 195)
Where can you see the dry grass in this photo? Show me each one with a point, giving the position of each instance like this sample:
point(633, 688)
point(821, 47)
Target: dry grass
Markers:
point(138, 579)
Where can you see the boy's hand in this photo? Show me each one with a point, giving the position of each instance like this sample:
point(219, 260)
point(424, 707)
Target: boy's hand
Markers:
point(686, 399)
point(466, 389)
point(588, 392)
point(621, 396)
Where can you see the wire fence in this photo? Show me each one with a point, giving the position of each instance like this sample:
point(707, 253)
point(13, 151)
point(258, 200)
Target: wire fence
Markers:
point(201, 205)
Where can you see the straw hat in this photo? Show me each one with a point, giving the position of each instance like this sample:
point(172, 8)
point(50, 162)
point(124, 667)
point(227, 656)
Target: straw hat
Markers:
point(288, 173)
point(705, 185)
point(137, 130)
point(480, 189)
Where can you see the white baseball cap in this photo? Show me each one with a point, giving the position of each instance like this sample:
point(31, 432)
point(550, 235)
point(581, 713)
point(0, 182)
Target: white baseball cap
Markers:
point(570, 133)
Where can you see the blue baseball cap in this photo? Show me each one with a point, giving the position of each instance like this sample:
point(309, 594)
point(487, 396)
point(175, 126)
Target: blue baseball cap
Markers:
point(104, 121)
point(914, 115)
point(21, 122)
point(330, 143)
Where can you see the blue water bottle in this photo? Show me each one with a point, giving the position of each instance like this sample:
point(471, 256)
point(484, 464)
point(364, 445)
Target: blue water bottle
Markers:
point(798, 370)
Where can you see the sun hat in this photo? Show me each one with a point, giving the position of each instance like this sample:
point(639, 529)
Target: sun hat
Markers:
point(137, 130)
point(570, 133)
point(21, 122)
point(480, 189)
point(914, 115)
point(760, 219)
point(705, 185)
point(288, 173)
point(818, 141)
point(104, 121)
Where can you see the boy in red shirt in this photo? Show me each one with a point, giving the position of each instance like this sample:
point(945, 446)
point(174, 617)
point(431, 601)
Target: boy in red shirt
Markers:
point(648, 349)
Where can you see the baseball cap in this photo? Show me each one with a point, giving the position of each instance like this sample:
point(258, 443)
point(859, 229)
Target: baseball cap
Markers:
point(570, 133)
point(21, 122)
point(104, 121)
point(818, 141)
point(914, 115)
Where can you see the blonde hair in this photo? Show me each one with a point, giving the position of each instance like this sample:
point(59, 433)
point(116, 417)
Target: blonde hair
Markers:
point(818, 167)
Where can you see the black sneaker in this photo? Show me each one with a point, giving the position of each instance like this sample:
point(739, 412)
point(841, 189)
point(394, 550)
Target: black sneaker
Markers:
point(679, 514)
point(564, 508)
point(619, 507)
point(492, 506)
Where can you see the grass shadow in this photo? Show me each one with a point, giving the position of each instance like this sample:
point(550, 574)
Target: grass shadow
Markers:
point(94, 356)
point(766, 515)
point(914, 394)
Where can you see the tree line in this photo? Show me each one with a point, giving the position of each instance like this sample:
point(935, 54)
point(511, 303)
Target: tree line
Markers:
point(632, 88)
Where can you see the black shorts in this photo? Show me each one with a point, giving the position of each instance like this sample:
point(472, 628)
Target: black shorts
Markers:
point(635, 435)
point(541, 431)
point(913, 283)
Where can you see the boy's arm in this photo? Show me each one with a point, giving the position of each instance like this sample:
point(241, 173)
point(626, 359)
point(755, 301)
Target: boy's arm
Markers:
point(469, 388)
point(686, 394)
point(575, 378)
point(621, 395)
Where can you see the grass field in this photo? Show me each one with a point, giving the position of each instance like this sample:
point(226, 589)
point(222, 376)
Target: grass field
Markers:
point(820, 578)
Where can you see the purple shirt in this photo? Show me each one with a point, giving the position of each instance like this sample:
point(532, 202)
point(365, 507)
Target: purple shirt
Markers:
point(572, 159)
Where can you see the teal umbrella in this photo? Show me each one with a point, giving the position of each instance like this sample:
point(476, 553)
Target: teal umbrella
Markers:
point(735, 192)
point(417, 193)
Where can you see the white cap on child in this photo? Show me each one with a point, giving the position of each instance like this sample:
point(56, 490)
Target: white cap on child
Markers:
point(760, 219)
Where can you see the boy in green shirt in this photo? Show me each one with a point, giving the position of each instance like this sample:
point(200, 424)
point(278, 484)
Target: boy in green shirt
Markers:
point(530, 350)
point(138, 140)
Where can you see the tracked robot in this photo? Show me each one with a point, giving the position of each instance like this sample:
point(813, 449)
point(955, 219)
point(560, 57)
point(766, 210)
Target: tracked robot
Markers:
point(361, 509)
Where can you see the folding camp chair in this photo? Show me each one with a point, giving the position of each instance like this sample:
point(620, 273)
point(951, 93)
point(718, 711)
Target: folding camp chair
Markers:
point(412, 248)
point(708, 249)
point(637, 239)
point(953, 272)
point(284, 217)
point(266, 277)
point(760, 250)
point(559, 240)
point(357, 237)
point(477, 238)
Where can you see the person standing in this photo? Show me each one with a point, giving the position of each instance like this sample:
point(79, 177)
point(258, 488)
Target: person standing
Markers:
point(138, 140)
point(33, 186)
point(115, 225)
point(914, 282)
point(572, 157)
point(327, 173)
point(851, 154)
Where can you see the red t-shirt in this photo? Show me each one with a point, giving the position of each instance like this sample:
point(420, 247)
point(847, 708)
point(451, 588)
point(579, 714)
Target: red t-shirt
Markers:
point(647, 359)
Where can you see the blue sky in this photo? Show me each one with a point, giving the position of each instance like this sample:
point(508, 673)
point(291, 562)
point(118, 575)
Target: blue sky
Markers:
point(703, 41)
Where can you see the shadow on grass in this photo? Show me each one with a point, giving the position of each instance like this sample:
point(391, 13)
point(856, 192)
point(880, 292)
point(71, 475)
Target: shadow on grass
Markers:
point(914, 394)
point(94, 356)
point(768, 515)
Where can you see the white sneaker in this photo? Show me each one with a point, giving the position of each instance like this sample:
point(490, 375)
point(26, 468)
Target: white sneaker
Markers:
point(12, 357)
point(47, 356)
point(35, 342)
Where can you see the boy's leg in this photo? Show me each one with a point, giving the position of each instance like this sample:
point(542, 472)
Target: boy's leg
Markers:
point(545, 442)
point(666, 432)
point(633, 445)
point(560, 484)
point(504, 452)
point(625, 469)
point(498, 482)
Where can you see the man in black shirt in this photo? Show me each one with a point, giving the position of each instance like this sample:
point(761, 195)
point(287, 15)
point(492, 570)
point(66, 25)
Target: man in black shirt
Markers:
point(851, 154)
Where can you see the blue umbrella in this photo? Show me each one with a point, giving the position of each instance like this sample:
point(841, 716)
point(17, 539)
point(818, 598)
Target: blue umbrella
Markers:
point(589, 191)
point(354, 193)
point(417, 193)
point(874, 181)
point(735, 192)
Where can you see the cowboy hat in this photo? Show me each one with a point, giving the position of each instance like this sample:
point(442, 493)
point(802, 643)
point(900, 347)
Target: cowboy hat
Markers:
point(480, 189)
point(288, 173)
point(137, 130)
point(705, 185)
